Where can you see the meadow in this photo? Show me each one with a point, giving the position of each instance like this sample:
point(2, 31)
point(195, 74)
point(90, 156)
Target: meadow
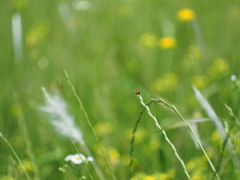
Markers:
point(69, 71)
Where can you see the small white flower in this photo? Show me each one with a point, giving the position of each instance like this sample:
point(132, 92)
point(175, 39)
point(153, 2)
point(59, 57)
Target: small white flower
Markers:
point(90, 158)
point(77, 158)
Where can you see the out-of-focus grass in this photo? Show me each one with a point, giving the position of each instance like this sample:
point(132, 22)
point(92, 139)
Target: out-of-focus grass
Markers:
point(109, 50)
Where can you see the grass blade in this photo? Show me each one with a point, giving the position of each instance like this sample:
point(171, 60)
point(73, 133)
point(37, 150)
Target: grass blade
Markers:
point(165, 135)
point(89, 123)
point(210, 112)
point(15, 154)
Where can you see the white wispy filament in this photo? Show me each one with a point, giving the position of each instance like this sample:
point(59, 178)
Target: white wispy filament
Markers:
point(63, 123)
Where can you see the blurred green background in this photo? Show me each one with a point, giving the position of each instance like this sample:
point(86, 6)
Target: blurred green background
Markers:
point(109, 49)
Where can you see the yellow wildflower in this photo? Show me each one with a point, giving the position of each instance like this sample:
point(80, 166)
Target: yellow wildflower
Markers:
point(216, 138)
point(140, 135)
point(218, 69)
point(149, 178)
point(20, 4)
point(28, 166)
point(7, 178)
point(148, 40)
point(154, 144)
point(15, 110)
point(164, 176)
point(200, 81)
point(186, 14)
point(167, 42)
point(103, 128)
point(171, 173)
point(114, 156)
point(37, 34)
point(196, 177)
point(167, 83)
point(191, 164)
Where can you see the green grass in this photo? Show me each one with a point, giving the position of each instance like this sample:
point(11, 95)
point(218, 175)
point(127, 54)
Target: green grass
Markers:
point(106, 58)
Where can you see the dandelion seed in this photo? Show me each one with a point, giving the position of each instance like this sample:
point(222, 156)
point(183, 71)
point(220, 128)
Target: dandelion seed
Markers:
point(78, 158)
point(186, 15)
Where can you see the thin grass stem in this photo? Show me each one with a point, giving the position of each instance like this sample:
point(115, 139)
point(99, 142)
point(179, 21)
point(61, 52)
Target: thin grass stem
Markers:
point(165, 136)
point(85, 166)
point(199, 36)
point(133, 134)
point(221, 155)
point(15, 154)
point(133, 138)
point(89, 123)
point(191, 130)
point(29, 150)
point(234, 119)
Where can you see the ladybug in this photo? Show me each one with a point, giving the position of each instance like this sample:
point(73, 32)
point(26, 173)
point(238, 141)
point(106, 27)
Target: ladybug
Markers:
point(137, 92)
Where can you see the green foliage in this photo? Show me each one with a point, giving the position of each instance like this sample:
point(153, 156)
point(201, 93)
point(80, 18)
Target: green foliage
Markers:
point(109, 49)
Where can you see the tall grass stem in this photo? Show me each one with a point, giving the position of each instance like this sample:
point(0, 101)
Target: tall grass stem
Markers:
point(133, 134)
point(191, 130)
point(165, 136)
point(29, 149)
point(89, 123)
point(199, 36)
point(15, 154)
point(83, 162)
point(133, 137)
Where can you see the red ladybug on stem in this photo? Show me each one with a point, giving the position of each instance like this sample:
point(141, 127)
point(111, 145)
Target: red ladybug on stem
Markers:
point(137, 92)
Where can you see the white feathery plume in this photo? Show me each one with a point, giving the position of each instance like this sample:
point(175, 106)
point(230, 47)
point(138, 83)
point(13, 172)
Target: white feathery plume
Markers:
point(63, 123)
